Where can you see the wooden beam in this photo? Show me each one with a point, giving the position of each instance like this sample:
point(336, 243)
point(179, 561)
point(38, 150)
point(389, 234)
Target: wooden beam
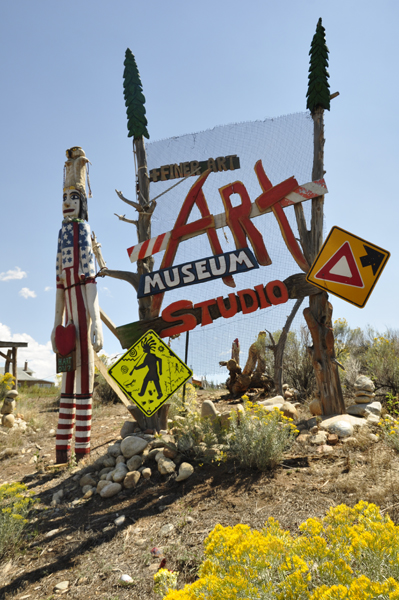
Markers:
point(13, 344)
point(14, 367)
point(107, 321)
point(103, 370)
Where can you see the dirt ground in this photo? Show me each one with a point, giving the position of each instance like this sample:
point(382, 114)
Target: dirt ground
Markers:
point(77, 541)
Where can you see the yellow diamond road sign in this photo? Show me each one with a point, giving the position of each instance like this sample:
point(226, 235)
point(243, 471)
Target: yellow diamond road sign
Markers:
point(149, 372)
point(348, 266)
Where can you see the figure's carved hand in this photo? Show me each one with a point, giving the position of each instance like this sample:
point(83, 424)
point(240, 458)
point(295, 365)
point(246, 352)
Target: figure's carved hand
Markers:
point(96, 336)
point(53, 340)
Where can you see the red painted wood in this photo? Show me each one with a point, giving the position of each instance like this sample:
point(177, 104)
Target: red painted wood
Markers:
point(271, 295)
point(186, 322)
point(263, 303)
point(245, 308)
point(238, 219)
point(206, 318)
point(227, 312)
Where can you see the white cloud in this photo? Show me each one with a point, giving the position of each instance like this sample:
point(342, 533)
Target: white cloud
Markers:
point(48, 288)
point(40, 357)
point(17, 273)
point(27, 293)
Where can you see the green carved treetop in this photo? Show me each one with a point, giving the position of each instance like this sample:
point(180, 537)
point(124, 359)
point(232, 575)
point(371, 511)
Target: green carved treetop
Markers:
point(134, 98)
point(318, 94)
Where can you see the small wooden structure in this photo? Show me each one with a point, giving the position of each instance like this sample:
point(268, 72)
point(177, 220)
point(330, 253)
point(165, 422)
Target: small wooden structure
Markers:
point(11, 357)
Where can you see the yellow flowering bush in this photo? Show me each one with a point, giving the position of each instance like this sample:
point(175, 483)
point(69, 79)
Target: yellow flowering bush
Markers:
point(14, 507)
point(164, 581)
point(390, 431)
point(259, 437)
point(351, 554)
point(6, 383)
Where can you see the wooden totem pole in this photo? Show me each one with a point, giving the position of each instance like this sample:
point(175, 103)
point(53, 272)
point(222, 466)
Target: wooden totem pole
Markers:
point(77, 306)
point(318, 315)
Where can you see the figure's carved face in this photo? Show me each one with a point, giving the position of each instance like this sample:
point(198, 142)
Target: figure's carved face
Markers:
point(71, 204)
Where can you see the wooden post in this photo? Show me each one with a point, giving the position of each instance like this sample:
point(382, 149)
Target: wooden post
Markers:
point(319, 314)
point(14, 367)
point(185, 360)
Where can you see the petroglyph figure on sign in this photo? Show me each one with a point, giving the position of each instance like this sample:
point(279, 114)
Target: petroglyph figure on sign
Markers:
point(154, 365)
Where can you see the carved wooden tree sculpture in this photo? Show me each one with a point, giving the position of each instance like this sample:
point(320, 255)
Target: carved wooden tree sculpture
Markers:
point(319, 313)
point(137, 129)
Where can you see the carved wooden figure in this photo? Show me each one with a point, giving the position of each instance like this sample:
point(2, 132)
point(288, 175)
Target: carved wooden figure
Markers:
point(77, 300)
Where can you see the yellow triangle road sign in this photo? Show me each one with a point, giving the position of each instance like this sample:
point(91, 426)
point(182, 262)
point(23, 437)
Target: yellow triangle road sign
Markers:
point(348, 266)
point(149, 373)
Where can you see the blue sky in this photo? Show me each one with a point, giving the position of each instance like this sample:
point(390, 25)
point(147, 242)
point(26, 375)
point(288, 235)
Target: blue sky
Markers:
point(202, 64)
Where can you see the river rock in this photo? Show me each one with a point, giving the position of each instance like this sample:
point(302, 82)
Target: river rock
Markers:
point(86, 488)
point(325, 449)
point(8, 421)
point(152, 454)
point(159, 455)
point(289, 410)
point(375, 408)
point(358, 410)
point(12, 394)
point(127, 428)
point(110, 490)
point(363, 399)
point(341, 428)
point(134, 463)
point(166, 466)
point(101, 485)
point(109, 461)
point(373, 419)
point(208, 409)
point(61, 587)
point(327, 421)
point(315, 408)
point(318, 439)
point(8, 406)
point(120, 460)
point(105, 471)
point(364, 383)
point(114, 450)
point(131, 480)
point(87, 480)
point(272, 401)
point(169, 453)
point(120, 473)
point(133, 445)
point(146, 473)
point(365, 393)
point(185, 471)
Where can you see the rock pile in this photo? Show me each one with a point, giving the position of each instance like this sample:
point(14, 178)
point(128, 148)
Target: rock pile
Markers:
point(8, 418)
point(365, 405)
point(130, 459)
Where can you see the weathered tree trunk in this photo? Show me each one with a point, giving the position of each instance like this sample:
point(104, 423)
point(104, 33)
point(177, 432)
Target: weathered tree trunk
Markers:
point(144, 221)
point(278, 349)
point(319, 314)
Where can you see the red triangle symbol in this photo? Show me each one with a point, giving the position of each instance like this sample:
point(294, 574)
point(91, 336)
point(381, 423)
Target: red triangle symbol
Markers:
point(341, 268)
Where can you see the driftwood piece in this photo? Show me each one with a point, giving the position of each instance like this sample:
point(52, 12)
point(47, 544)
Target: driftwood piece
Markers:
point(278, 349)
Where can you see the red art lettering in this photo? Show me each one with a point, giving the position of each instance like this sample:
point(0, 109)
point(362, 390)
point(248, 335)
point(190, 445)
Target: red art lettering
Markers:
point(186, 321)
point(254, 301)
point(182, 228)
point(227, 312)
point(206, 318)
point(237, 218)
point(260, 290)
point(271, 198)
point(271, 290)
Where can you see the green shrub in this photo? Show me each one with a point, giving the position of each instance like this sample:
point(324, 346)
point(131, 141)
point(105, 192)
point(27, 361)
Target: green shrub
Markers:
point(259, 437)
point(351, 554)
point(14, 507)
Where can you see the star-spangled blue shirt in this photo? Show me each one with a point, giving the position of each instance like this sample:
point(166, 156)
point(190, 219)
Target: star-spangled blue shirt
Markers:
point(65, 251)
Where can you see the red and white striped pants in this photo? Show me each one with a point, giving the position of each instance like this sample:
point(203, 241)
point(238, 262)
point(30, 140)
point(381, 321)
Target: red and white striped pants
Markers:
point(77, 386)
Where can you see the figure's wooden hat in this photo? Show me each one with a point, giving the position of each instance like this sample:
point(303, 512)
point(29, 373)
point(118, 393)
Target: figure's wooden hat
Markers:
point(75, 170)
